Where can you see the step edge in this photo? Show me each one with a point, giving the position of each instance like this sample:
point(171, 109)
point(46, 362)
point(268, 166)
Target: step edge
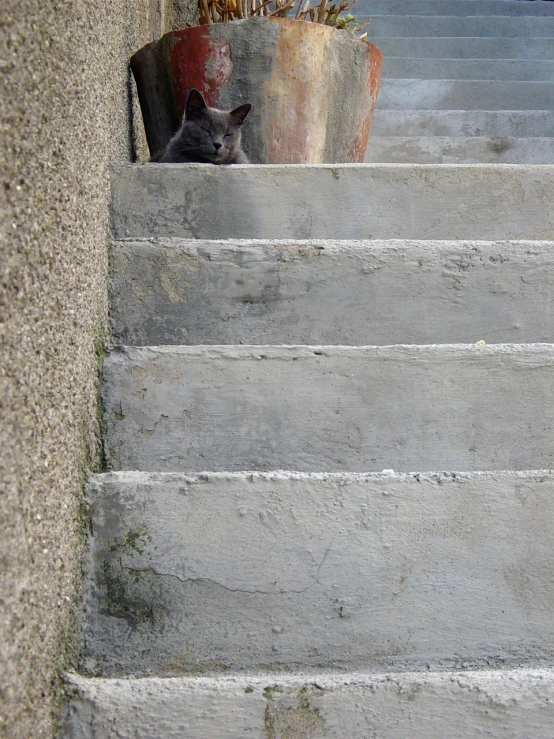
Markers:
point(331, 678)
point(279, 475)
point(281, 351)
point(478, 139)
point(200, 243)
point(132, 168)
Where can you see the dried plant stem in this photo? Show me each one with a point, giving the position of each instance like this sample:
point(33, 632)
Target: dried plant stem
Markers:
point(205, 8)
point(283, 10)
point(303, 8)
point(321, 13)
point(263, 7)
point(221, 11)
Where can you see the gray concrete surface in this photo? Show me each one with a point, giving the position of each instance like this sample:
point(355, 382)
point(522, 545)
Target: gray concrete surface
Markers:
point(178, 291)
point(441, 94)
point(66, 115)
point(433, 47)
point(289, 571)
point(461, 407)
point(459, 150)
point(458, 705)
point(454, 7)
point(283, 570)
point(533, 70)
point(414, 26)
point(370, 201)
point(484, 123)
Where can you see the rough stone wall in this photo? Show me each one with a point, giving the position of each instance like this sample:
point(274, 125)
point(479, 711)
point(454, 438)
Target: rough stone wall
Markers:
point(65, 117)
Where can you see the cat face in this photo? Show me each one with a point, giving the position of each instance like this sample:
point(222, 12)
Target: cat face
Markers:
point(213, 135)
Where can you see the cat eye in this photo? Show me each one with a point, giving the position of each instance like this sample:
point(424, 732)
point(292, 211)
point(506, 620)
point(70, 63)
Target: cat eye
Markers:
point(206, 130)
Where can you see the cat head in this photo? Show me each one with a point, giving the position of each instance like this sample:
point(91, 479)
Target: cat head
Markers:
point(213, 134)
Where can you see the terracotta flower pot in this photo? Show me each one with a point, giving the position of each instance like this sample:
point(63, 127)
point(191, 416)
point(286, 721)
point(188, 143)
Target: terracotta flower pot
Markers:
point(312, 87)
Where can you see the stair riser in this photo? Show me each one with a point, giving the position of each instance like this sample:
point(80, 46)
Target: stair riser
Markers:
point(518, 703)
point(454, 7)
point(467, 48)
point(368, 202)
point(458, 150)
point(378, 571)
point(330, 408)
point(410, 94)
point(322, 292)
point(485, 26)
point(492, 124)
point(468, 69)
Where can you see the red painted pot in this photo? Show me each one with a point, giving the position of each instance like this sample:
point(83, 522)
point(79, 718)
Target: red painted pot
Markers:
point(312, 87)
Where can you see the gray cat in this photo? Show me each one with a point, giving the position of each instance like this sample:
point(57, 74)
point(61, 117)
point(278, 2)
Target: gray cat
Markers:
point(206, 135)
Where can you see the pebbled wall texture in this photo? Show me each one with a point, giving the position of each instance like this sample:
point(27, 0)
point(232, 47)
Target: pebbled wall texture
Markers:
point(67, 114)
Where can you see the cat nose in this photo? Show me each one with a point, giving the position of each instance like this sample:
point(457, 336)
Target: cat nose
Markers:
point(217, 145)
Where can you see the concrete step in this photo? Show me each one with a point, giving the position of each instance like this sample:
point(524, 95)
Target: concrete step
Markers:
point(484, 123)
point(336, 571)
point(462, 407)
point(433, 47)
point(509, 703)
point(409, 94)
point(412, 26)
point(454, 7)
point(458, 150)
point(529, 70)
point(366, 201)
point(183, 291)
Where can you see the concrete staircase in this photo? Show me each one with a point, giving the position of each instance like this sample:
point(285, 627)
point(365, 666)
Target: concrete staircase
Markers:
point(463, 81)
point(330, 428)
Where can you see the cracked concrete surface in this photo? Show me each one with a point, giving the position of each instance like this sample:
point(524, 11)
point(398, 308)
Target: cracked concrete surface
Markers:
point(360, 571)
point(157, 573)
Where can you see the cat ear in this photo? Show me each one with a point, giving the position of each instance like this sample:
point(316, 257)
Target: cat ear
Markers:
point(195, 103)
point(238, 115)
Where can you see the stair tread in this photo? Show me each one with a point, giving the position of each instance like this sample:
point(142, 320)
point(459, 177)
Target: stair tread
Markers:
point(445, 26)
point(466, 47)
point(455, 7)
point(464, 124)
point(468, 69)
point(456, 94)
point(457, 149)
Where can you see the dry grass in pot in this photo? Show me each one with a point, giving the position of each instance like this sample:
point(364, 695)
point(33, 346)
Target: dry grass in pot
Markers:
point(221, 11)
